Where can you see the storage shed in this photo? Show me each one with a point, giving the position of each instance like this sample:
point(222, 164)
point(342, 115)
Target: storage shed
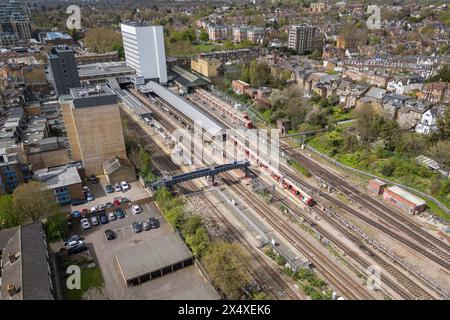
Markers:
point(404, 200)
point(376, 186)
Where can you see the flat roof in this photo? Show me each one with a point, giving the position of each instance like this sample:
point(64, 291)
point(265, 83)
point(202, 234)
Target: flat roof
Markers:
point(143, 258)
point(57, 35)
point(60, 177)
point(185, 108)
point(104, 69)
point(406, 195)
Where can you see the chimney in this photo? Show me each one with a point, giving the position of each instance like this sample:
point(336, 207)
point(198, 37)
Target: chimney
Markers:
point(12, 257)
point(11, 289)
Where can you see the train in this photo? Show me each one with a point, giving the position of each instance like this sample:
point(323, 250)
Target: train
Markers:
point(285, 181)
point(226, 108)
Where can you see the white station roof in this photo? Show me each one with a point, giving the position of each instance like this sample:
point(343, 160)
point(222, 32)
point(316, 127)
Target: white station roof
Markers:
point(186, 108)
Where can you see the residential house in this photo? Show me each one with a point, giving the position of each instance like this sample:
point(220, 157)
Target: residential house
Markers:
point(356, 92)
point(25, 267)
point(391, 103)
point(376, 79)
point(374, 97)
point(435, 92)
point(351, 53)
point(405, 84)
point(411, 113)
point(427, 123)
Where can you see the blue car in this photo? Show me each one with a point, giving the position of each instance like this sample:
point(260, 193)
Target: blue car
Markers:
point(76, 214)
point(103, 219)
point(120, 213)
point(109, 189)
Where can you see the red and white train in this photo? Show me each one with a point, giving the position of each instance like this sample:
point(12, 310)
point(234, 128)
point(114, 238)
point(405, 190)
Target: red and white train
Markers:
point(211, 100)
point(285, 181)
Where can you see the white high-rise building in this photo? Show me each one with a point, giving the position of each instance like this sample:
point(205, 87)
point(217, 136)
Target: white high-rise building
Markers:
point(144, 50)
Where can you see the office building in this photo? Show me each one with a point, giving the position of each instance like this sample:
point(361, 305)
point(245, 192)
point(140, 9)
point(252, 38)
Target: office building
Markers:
point(93, 125)
point(14, 24)
point(301, 38)
point(63, 69)
point(144, 50)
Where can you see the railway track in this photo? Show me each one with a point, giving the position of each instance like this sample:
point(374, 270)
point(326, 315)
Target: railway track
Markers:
point(394, 218)
point(413, 291)
point(163, 162)
point(337, 278)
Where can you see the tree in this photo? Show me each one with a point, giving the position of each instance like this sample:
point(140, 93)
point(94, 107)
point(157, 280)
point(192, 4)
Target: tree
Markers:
point(33, 201)
point(440, 152)
point(443, 127)
point(224, 263)
point(102, 39)
point(365, 116)
point(8, 216)
point(204, 36)
point(57, 226)
point(245, 74)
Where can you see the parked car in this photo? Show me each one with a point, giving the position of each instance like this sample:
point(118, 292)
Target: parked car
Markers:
point(124, 185)
point(89, 197)
point(76, 202)
point(109, 189)
point(74, 243)
point(94, 221)
point(109, 234)
point(93, 209)
point(137, 227)
point(77, 249)
point(109, 205)
point(101, 207)
point(112, 216)
point(76, 214)
point(120, 213)
point(136, 209)
point(103, 219)
point(146, 225)
point(84, 212)
point(85, 224)
point(117, 187)
point(74, 237)
point(117, 202)
point(86, 189)
point(93, 179)
point(124, 200)
point(154, 222)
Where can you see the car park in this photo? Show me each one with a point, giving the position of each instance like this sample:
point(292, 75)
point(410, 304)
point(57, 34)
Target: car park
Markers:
point(94, 221)
point(146, 225)
point(117, 187)
point(136, 209)
point(77, 202)
point(109, 189)
point(124, 185)
point(112, 216)
point(120, 213)
point(75, 214)
point(154, 222)
point(137, 227)
point(103, 219)
point(109, 234)
point(85, 224)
